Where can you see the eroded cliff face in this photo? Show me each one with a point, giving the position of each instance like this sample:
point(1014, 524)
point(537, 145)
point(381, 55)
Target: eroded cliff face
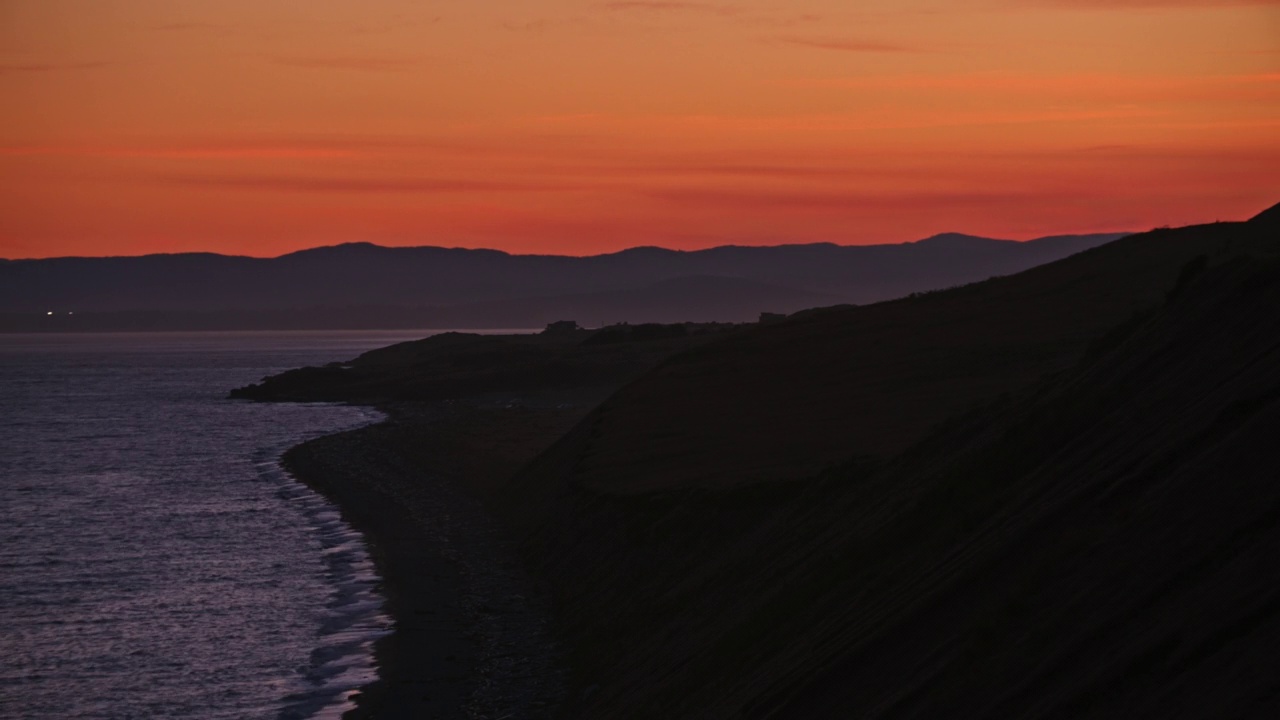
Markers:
point(1093, 543)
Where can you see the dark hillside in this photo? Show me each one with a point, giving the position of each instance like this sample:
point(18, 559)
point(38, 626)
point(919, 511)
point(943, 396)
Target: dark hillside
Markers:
point(786, 400)
point(1096, 543)
point(1101, 546)
point(1047, 495)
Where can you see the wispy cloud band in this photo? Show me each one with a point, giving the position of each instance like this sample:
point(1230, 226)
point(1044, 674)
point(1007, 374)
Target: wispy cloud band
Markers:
point(856, 45)
point(1138, 4)
point(356, 63)
point(15, 68)
point(661, 6)
point(302, 184)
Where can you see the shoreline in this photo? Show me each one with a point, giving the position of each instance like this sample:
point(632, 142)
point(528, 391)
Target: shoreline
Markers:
point(470, 636)
point(343, 661)
point(436, 490)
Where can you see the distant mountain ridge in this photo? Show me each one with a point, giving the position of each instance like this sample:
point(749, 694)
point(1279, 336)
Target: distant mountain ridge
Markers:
point(366, 285)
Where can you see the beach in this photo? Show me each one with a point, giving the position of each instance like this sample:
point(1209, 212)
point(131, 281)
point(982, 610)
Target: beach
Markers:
point(472, 635)
point(431, 491)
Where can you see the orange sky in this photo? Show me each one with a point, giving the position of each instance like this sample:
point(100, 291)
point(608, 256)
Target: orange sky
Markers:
point(579, 126)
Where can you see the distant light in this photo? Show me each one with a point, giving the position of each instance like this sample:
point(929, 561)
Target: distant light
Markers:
point(49, 313)
point(70, 312)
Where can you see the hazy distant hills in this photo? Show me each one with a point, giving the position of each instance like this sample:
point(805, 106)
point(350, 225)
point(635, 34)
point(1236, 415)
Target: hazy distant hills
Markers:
point(368, 286)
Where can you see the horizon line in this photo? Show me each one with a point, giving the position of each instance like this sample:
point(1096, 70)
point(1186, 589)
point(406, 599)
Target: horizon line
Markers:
point(567, 255)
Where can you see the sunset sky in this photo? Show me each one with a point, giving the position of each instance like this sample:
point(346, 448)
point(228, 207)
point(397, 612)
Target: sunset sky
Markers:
point(579, 126)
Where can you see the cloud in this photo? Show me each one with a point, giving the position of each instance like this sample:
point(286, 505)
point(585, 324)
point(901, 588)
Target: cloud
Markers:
point(1041, 82)
point(738, 14)
point(1091, 86)
point(396, 23)
point(531, 26)
point(183, 152)
point(840, 202)
point(659, 6)
point(16, 68)
point(766, 171)
point(886, 118)
point(301, 184)
point(846, 44)
point(346, 62)
point(272, 146)
point(1139, 4)
point(193, 27)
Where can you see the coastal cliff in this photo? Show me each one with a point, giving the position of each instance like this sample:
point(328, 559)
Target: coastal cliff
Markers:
point(1046, 495)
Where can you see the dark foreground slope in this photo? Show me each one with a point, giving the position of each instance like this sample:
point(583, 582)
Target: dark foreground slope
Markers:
point(1095, 543)
point(789, 399)
point(1102, 545)
point(1047, 495)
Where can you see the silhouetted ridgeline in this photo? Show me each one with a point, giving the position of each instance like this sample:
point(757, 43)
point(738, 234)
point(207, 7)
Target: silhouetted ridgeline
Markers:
point(1045, 495)
point(366, 286)
point(457, 365)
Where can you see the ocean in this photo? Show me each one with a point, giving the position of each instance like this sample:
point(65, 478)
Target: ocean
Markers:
point(155, 559)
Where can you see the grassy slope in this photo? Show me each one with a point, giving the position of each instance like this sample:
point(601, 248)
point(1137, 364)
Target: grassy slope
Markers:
point(1090, 542)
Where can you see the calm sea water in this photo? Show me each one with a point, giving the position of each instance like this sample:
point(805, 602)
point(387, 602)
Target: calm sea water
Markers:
point(155, 561)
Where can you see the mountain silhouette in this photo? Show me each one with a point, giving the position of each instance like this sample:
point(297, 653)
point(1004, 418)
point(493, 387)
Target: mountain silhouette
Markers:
point(363, 285)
